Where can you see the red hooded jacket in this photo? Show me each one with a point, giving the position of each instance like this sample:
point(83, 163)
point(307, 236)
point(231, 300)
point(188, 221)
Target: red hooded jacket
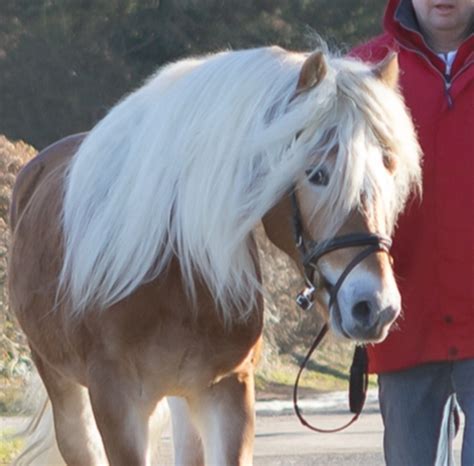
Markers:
point(434, 242)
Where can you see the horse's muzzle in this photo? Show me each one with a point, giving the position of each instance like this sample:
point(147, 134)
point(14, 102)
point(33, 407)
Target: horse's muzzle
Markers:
point(367, 323)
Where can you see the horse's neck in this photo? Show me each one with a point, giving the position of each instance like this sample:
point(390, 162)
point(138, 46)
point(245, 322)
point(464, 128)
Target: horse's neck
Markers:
point(278, 225)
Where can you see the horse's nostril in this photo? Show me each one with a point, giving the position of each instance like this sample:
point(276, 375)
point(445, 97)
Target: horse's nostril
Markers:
point(361, 312)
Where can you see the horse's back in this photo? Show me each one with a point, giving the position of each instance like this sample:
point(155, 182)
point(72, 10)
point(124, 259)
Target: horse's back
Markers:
point(32, 174)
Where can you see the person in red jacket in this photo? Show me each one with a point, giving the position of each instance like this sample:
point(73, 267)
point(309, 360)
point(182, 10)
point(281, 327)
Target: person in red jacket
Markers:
point(427, 361)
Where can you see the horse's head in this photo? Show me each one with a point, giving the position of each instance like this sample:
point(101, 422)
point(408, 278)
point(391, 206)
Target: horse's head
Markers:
point(363, 163)
point(351, 272)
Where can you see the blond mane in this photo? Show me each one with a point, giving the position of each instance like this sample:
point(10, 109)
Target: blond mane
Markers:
point(188, 164)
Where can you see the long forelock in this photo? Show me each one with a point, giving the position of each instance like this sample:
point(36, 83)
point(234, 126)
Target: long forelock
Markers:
point(341, 137)
point(381, 126)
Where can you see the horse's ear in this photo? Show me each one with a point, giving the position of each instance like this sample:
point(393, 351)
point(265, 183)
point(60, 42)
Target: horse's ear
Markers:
point(312, 72)
point(387, 70)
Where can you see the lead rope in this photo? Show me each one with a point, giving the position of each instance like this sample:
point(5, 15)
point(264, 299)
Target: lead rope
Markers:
point(358, 383)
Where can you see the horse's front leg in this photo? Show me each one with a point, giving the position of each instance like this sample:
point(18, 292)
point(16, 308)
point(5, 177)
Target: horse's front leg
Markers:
point(121, 409)
point(75, 430)
point(225, 417)
point(186, 440)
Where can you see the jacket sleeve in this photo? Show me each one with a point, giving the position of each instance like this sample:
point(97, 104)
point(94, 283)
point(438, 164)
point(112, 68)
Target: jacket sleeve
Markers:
point(375, 50)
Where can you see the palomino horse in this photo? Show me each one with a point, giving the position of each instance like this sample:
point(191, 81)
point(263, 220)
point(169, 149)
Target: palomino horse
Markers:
point(133, 269)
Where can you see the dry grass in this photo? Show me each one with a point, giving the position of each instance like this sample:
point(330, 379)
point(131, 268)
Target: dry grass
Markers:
point(9, 446)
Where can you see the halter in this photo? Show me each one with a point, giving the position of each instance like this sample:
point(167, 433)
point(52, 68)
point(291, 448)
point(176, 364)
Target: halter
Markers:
point(311, 252)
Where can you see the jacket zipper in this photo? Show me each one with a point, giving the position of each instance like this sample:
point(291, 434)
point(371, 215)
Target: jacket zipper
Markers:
point(447, 79)
point(447, 84)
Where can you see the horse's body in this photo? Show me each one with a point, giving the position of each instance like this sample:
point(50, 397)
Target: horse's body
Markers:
point(177, 354)
point(190, 325)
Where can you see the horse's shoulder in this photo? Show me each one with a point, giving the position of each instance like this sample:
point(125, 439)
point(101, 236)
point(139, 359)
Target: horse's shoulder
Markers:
point(37, 168)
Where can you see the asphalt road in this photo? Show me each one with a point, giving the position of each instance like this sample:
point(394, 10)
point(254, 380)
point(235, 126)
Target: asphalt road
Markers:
point(281, 440)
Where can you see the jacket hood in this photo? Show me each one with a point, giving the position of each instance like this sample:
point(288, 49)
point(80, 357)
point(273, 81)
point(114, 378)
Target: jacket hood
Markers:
point(400, 18)
point(401, 23)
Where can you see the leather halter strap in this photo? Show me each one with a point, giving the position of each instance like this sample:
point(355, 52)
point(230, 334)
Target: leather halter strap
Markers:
point(375, 244)
point(311, 252)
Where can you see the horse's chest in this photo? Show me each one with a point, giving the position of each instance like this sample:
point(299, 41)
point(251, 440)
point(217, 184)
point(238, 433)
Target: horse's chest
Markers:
point(193, 357)
point(205, 362)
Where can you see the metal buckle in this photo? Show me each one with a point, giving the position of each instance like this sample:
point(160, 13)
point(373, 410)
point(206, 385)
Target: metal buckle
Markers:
point(305, 299)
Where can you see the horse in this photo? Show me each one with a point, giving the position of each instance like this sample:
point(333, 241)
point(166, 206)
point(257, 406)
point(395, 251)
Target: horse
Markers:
point(134, 271)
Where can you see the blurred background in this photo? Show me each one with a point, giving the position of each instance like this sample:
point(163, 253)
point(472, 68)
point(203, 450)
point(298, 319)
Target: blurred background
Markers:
point(64, 63)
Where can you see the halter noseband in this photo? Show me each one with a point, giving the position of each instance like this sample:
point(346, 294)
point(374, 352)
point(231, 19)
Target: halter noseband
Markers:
point(311, 252)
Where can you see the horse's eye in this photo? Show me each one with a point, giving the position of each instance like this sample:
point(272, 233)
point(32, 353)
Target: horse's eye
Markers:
point(320, 177)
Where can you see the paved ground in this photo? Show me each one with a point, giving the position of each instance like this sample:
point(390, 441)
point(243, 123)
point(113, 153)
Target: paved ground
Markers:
point(282, 441)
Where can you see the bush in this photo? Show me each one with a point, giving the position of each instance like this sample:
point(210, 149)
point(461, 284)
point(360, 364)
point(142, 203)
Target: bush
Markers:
point(14, 359)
